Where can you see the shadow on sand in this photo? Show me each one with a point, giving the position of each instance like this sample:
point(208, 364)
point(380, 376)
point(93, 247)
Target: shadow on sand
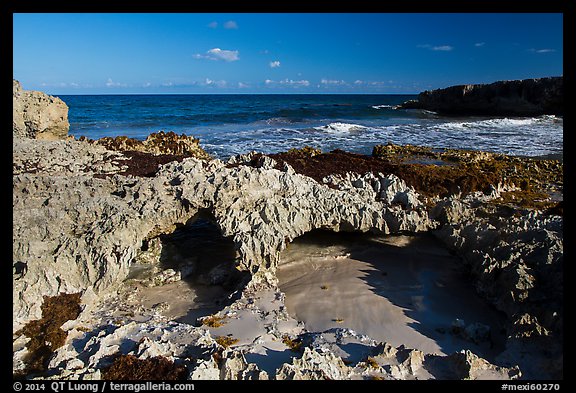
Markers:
point(206, 260)
point(408, 289)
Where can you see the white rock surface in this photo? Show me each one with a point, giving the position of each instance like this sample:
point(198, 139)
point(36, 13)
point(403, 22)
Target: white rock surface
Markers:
point(75, 232)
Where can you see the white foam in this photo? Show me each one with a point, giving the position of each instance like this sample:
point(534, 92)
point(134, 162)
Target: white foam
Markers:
point(278, 120)
point(382, 106)
point(499, 123)
point(518, 136)
point(341, 128)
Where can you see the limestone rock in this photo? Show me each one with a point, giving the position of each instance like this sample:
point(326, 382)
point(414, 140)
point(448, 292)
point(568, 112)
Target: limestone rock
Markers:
point(75, 231)
point(205, 370)
point(467, 365)
point(314, 366)
point(63, 158)
point(37, 115)
point(157, 143)
point(78, 227)
point(235, 367)
point(506, 253)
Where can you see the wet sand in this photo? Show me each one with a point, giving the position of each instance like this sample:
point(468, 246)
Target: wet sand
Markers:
point(398, 289)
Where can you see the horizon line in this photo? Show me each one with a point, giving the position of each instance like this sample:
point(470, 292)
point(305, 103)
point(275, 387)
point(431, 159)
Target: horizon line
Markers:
point(228, 94)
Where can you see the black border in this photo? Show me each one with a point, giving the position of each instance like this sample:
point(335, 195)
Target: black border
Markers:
point(352, 6)
point(322, 6)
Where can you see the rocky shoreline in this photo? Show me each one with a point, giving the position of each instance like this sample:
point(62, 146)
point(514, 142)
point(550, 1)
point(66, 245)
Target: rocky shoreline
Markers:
point(86, 212)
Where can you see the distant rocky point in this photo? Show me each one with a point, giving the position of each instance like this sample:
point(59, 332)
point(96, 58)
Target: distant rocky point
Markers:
point(527, 97)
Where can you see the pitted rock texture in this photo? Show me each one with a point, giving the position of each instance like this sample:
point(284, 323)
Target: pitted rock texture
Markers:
point(37, 115)
point(323, 356)
point(64, 158)
point(517, 261)
point(75, 230)
point(157, 143)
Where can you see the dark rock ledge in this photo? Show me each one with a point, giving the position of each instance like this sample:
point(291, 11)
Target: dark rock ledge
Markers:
point(527, 97)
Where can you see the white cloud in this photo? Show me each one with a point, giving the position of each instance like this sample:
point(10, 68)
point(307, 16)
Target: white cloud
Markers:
point(213, 25)
point(210, 82)
point(442, 48)
point(358, 82)
point(291, 82)
point(445, 48)
point(219, 54)
point(62, 84)
point(546, 50)
point(332, 82)
point(288, 82)
point(231, 25)
point(274, 64)
point(111, 83)
point(242, 85)
point(479, 44)
point(147, 84)
point(177, 84)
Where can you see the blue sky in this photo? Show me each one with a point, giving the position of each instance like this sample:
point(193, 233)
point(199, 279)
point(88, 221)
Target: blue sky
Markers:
point(201, 53)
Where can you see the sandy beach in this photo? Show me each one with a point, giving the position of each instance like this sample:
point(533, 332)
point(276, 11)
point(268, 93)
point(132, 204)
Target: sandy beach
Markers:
point(397, 289)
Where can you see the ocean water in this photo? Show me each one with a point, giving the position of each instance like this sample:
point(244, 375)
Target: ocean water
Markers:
point(233, 124)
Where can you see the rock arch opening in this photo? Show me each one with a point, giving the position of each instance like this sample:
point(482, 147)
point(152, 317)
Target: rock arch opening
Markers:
point(189, 273)
point(401, 289)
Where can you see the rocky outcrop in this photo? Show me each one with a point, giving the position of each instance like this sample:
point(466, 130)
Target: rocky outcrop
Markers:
point(157, 143)
point(37, 115)
point(78, 225)
point(76, 231)
point(517, 263)
point(527, 97)
point(64, 158)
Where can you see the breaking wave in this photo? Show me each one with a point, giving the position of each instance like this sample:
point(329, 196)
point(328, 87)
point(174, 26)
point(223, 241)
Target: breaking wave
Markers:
point(501, 123)
point(341, 128)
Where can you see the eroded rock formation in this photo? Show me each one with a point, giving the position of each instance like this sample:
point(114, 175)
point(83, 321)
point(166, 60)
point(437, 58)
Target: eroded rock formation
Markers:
point(80, 223)
point(157, 143)
point(37, 115)
point(77, 231)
